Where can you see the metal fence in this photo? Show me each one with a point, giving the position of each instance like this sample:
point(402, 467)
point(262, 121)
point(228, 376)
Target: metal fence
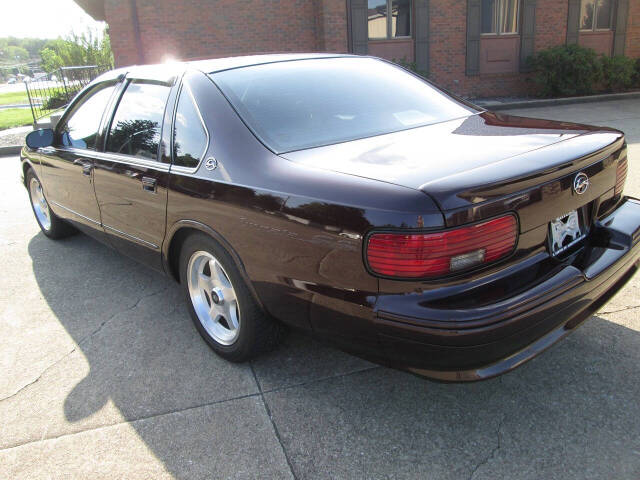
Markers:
point(54, 91)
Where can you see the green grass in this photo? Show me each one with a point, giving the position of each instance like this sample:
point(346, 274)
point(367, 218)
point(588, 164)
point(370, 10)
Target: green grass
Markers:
point(14, 98)
point(15, 117)
point(21, 98)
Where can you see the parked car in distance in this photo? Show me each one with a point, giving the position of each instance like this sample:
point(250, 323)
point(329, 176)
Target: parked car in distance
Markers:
point(347, 197)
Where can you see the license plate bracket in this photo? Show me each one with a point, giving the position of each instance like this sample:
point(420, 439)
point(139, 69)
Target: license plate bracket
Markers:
point(565, 232)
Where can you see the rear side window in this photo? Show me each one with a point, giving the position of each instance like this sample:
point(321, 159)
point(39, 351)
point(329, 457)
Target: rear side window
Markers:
point(80, 130)
point(190, 137)
point(136, 125)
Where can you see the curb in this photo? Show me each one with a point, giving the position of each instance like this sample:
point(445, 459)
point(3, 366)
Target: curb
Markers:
point(12, 150)
point(551, 102)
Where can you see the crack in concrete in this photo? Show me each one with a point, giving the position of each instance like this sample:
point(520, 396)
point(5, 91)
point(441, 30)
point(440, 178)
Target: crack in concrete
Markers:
point(79, 343)
point(493, 452)
point(24, 387)
point(321, 379)
point(130, 422)
point(624, 309)
point(260, 393)
point(273, 423)
point(128, 309)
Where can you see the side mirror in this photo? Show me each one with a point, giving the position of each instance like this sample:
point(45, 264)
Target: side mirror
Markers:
point(40, 138)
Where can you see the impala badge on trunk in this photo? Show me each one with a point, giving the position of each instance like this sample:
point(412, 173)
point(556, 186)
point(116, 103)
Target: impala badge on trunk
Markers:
point(581, 183)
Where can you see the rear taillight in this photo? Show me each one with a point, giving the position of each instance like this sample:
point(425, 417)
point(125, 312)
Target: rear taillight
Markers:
point(427, 255)
point(621, 176)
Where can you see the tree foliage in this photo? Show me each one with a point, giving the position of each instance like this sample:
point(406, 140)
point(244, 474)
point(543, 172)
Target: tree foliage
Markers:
point(24, 48)
point(77, 49)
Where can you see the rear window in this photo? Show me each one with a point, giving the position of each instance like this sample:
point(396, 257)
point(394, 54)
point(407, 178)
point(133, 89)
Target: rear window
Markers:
point(309, 103)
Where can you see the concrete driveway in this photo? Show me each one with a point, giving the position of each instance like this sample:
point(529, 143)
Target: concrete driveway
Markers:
point(104, 376)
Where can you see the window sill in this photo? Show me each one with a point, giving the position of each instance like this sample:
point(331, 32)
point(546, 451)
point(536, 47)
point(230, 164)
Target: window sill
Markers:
point(394, 39)
point(499, 35)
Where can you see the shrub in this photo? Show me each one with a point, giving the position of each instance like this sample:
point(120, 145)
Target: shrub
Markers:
point(57, 100)
point(566, 70)
point(412, 66)
point(618, 72)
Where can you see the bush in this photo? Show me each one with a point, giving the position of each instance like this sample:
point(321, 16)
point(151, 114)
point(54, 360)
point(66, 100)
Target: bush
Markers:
point(566, 70)
point(618, 73)
point(412, 66)
point(57, 100)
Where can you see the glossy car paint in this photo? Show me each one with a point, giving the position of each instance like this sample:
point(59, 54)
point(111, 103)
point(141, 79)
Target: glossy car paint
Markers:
point(297, 224)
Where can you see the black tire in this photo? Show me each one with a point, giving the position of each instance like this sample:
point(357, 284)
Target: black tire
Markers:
point(57, 227)
point(257, 332)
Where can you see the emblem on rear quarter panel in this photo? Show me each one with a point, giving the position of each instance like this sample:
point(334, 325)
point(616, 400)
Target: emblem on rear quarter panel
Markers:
point(581, 183)
point(211, 163)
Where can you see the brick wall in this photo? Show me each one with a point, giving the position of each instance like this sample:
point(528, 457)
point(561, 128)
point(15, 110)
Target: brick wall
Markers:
point(192, 29)
point(448, 27)
point(123, 43)
point(632, 48)
point(331, 25)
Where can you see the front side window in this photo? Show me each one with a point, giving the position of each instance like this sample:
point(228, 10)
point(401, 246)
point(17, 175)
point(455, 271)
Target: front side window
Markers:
point(80, 130)
point(596, 14)
point(189, 135)
point(309, 103)
point(500, 17)
point(135, 128)
point(384, 25)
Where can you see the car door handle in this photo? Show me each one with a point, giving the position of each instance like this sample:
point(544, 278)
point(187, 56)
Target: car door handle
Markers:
point(86, 166)
point(149, 184)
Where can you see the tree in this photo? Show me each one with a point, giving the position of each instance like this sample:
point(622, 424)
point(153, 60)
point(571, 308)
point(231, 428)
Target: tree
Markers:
point(83, 49)
point(13, 54)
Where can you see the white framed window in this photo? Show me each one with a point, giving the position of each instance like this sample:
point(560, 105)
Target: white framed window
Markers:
point(500, 17)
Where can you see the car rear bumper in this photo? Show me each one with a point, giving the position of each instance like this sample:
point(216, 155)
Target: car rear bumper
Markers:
point(496, 338)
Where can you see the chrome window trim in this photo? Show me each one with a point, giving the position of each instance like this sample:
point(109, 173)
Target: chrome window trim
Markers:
point(118, 158)
point(74, 212)
point(180, 168)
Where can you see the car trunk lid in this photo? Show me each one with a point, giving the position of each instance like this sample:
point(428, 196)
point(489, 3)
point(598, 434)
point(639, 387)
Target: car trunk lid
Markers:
point(483, 165)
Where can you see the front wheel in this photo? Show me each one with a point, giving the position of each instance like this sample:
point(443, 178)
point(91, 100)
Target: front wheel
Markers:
point(50, 224)
point(222, 308)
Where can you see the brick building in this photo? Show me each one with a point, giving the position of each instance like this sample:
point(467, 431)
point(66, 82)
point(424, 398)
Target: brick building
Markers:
point(472, 47)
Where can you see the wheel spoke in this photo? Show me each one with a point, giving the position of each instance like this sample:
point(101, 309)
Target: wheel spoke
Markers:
point(215, 313)
point(229, 294)
point(218, 275)
point(232, 315)
point(205, 283)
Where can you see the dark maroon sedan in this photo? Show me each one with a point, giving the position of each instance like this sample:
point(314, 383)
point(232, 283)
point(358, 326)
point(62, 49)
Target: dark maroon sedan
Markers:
point(347, 197)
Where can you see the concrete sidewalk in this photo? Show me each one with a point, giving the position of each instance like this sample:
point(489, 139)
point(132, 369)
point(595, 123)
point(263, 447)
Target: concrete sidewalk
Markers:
point(12, 139)
point(104, 376)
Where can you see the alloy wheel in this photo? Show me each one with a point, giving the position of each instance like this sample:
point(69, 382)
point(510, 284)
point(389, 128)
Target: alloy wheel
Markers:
point(213, 297)
point(39, 203)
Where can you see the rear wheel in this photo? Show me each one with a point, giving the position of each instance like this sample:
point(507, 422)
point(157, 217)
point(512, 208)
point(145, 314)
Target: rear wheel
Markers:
point(50, 224)
point(222, 308)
